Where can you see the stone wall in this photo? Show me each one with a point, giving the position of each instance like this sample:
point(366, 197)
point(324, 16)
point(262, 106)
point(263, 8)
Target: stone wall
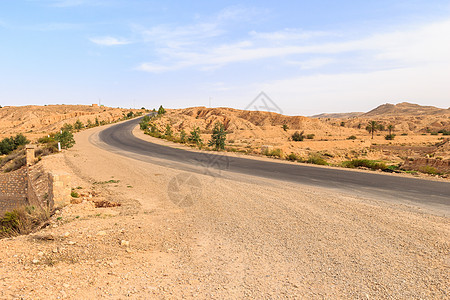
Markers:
point(13, 190)
point(34, 186)
point(39, 187)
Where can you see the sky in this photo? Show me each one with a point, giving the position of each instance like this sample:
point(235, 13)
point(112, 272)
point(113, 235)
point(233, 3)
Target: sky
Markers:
point(308, 57)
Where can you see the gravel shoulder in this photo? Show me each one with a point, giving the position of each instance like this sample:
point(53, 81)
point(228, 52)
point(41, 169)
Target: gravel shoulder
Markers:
point(180, 234)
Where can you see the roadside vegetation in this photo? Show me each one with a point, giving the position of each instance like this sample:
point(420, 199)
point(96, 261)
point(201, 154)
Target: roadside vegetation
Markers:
point(364, 163)
point(12, 152)
point(8, 145)
point(218, 142)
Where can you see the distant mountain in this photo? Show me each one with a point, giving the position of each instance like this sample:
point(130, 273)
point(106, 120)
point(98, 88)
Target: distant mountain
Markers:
point(389, 110)
point(404, 108)
point(338, 115)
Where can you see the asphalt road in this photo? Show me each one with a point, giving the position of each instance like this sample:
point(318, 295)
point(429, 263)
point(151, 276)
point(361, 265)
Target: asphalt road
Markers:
point(435, 194)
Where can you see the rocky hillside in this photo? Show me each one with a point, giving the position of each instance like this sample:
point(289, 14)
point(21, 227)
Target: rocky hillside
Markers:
point(405, 108)
point(338, 115)
point(43, 119)
point(406, 117)
point(235, 119)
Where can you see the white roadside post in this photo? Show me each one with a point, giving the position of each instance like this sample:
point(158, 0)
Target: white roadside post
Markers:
point(59, 146)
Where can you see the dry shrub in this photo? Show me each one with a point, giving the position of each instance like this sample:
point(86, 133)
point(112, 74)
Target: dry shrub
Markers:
point(105, 203)
point(13, 161)
point(22, 220)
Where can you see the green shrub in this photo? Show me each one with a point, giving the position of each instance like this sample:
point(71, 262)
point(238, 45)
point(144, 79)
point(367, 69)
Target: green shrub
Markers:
point(393, 167)
point(74, 194)
point(183, 136)
point(78, 125)
point(316, 159)
point(310, 136)
point(168, 132)
point(404, 134)
point(285, 127)
point(66, 139)
point(143, 125)
point(352, 137)
point(293, 157)
point(7, 145)
point(218, 137)
point(274, 153)
point(195, 136)
point(161, 110)
point(298, 136)
point(46, 139)
point(429, 170)
point(389, 136)
point(371, 164)
point(67, 127)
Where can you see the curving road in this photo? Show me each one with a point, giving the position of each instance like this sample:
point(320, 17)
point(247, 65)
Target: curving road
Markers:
point(433, 194)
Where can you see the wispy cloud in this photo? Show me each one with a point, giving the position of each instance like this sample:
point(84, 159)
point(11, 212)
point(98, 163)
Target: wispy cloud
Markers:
point(183, 47)
point(109, 41)
point(289, 34)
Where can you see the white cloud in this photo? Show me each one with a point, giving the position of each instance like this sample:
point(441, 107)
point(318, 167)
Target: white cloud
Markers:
point(289, 34)
point(185, 47)
point(154, 68)
point(312, 63)
point(109, 41)
point(360, 91)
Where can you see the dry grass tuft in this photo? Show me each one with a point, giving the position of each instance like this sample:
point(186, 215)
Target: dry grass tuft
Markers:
point(23, 220)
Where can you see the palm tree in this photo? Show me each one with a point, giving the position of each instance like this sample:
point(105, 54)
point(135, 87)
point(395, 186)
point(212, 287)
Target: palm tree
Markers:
point(372, 127)
point(390, 128)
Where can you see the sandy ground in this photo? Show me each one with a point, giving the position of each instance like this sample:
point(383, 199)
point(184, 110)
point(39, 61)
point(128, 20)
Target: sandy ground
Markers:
point(202, 236)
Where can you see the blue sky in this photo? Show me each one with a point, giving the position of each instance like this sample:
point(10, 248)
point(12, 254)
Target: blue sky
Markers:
point(308, 56)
